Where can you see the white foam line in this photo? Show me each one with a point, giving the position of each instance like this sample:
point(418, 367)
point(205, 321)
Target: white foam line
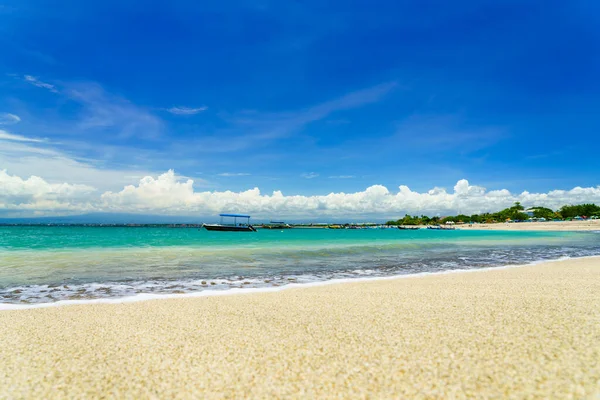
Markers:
point(237, 291)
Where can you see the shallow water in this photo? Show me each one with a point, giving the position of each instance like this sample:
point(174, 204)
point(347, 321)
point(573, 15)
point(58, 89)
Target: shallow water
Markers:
point(48, 264)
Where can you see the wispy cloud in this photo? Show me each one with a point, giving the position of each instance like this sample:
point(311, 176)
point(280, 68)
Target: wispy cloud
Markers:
point(443, 132)
point(309, 175)
point(233, 174)
point(101, 111)
point(340, 121)
point(104, 111)
point(9, 119)
point(342, 177)
point(36, 82)
point(16, 138)
point(250, 129)
point(27, 156)
point(38, 56)
point(284, 123)
point(18, 47)
point(186, 110)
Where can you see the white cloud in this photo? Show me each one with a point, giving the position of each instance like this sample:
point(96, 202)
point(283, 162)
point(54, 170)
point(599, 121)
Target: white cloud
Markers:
point(25, 156)
point(234, 174)
point(342, 177)
point(16, 138)
point(35, 194)
point(186, 110)
point(9, 119)
point(309, 175)
point(36, 82)
point(169, 194)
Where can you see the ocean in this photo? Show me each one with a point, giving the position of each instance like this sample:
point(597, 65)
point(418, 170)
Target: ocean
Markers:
point(47, 264)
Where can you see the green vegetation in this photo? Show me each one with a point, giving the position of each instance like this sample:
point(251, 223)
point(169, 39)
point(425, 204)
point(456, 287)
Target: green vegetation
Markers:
point(581, 210)
point(543, 212)
point(515, 213)
point(410, 220)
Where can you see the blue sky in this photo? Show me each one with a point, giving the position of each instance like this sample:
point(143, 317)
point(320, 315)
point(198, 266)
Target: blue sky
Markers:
point(303, 97)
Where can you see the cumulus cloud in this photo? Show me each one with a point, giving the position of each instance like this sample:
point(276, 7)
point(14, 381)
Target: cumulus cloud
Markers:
point(186, 110)
point(169, 194)
point(9, 119)
point(37, 195)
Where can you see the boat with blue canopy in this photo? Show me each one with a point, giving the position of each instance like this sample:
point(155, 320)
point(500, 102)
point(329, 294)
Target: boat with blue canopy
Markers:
point(232, 227)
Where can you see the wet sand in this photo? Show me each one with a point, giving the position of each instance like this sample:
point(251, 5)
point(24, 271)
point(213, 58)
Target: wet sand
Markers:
point(506, 333)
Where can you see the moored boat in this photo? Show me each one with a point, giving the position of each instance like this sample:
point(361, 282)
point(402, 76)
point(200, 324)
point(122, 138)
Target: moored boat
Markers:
point(441, 228)
point(277, 225)
point(235, 227)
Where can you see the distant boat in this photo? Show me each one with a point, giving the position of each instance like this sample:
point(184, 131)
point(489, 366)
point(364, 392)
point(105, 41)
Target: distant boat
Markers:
point(409, 228)
point(277, 225)
point(441, 228)
point(235, 227)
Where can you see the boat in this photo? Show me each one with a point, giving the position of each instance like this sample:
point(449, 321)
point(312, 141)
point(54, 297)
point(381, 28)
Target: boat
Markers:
point(409, 228)
point(235, 227)
point(441, 228)
point(277, 225)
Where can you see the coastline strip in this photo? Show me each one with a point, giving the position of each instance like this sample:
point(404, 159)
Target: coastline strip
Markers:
point(504, 332)
point(245, 291)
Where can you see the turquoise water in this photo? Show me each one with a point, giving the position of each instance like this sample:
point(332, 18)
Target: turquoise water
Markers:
point(79, 237)
point(47, 264)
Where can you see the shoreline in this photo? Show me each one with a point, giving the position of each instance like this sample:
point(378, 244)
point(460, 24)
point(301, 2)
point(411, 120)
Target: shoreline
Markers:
point(554, 226)
point(528, 331)
point(143, 297)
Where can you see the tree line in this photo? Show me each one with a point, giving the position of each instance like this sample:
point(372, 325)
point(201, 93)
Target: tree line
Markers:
point(513, 213)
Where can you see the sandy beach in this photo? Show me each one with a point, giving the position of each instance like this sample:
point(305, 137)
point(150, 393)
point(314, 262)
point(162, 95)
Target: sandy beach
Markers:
point(507, 333)
point(590, 225)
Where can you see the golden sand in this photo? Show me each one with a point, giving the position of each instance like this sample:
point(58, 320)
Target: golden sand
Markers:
point(589, 225)
point(530, 332)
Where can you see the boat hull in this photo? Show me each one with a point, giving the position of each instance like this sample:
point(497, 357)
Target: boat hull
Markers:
point(228, 228)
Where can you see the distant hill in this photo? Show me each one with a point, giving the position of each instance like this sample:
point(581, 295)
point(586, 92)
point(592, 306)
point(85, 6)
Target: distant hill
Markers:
point(122, 218)
point(107, 218)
